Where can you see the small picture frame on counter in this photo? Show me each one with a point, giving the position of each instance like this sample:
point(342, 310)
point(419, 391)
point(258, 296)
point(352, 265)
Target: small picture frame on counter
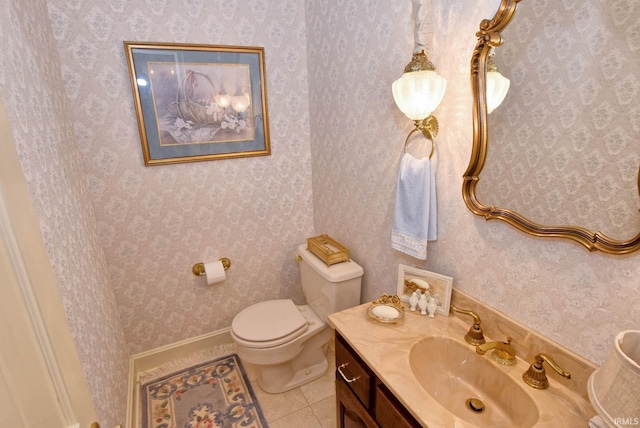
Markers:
point(411, 278)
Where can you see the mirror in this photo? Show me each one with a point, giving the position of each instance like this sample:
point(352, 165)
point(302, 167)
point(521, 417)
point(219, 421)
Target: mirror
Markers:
point(559, 158)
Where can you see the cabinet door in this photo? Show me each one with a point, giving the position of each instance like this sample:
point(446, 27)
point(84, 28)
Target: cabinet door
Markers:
point(389, 411)
point(353, 370)
point(350, 412)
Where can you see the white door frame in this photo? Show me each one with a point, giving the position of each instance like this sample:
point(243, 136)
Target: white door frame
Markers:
point(40, 371)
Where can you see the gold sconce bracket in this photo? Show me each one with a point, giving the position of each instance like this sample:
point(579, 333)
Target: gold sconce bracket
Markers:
point(429, 128)
point(198, 268)
point(419, 62)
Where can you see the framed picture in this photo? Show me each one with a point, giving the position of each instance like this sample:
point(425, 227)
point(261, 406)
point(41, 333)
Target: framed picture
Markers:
point(198, 102)
point(409, 278)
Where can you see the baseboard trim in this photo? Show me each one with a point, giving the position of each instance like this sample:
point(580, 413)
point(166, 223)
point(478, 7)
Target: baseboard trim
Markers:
point(147, 360)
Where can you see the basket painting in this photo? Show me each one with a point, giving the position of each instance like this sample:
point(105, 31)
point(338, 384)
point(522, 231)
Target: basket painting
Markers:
point(193, 105)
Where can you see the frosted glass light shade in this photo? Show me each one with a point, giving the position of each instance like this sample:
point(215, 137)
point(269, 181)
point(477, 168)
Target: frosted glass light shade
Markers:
point(497, 88)
point(418, 93)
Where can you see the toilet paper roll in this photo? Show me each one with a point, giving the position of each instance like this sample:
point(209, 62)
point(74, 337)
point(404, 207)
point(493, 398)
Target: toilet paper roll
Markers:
point(215, 272)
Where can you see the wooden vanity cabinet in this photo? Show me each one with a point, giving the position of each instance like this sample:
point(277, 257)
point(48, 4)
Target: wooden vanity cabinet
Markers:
point(365, 401)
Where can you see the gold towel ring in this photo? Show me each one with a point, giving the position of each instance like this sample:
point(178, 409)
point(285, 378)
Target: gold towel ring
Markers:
point(431, 138)
point(429, 128)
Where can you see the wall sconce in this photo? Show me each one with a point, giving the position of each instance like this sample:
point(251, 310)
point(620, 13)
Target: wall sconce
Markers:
point(497, 85)
point(419, 92)
point(420, 89)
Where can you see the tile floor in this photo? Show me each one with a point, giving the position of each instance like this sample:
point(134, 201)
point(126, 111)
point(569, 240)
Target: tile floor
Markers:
point(311, 406)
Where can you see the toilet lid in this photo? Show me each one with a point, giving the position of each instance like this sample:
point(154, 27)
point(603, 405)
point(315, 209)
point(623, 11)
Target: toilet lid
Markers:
point(273, 320)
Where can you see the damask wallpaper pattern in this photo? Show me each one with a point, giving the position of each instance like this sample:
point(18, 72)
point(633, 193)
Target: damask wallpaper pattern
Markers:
point(579, 299)
point(572, 157)
point(32, 91)
point(330, 65)
point(154, 223)
point(357, 131)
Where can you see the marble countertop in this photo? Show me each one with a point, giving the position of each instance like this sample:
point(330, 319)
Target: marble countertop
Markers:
point(386, 348)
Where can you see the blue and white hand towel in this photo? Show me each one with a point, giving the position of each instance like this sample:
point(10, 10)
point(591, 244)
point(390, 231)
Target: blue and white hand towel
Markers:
point(415, 217)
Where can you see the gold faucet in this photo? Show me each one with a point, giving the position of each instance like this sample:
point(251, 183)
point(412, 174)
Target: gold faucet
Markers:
point(536, 375)
point(474, 336)
point(503, 352)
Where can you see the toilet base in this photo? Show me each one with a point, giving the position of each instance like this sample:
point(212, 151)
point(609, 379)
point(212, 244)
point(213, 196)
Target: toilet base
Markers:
point(310, 364)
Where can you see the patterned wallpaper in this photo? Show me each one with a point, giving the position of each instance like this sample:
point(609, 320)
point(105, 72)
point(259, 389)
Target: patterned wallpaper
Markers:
point(573, 156)
point(357, 132)
point(579, 299)
point(154, 223)
point(32, 92)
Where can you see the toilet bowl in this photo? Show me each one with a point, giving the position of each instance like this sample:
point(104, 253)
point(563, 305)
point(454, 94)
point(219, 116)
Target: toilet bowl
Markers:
point(286, 357)
point(288, 342)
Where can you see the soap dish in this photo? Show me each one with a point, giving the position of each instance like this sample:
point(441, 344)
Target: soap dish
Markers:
point(386, 309)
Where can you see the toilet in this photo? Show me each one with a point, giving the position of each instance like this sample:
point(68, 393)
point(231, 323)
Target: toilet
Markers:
point(287, 342)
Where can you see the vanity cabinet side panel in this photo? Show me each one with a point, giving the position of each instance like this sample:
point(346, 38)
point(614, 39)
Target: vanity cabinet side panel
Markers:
point(348, 362)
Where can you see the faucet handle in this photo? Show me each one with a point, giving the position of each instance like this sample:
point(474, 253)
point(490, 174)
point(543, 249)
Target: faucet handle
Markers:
point(474, 336)
point(536, 376)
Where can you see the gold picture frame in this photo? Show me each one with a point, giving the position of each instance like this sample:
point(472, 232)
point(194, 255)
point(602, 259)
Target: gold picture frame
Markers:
point(410, 277)
point(198, 102)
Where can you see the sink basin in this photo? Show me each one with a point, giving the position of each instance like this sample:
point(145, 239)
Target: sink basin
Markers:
point(452, 373)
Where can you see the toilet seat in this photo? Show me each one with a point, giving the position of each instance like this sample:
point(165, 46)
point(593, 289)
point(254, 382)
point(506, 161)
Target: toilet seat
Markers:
point(268, 324)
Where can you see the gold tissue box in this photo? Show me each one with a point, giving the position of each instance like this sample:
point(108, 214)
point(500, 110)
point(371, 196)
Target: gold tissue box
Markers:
point(328, 249)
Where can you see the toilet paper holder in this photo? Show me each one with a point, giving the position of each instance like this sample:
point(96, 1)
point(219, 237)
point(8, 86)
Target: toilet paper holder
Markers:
point(198, 268)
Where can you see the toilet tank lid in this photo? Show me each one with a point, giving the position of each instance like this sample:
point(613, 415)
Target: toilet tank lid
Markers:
point(334, 273)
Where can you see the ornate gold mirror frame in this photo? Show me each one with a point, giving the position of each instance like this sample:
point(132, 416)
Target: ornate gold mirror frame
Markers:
point(489, 36)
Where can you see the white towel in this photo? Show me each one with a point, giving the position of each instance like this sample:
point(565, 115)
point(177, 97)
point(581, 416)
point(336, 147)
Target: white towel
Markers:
point(415, 217)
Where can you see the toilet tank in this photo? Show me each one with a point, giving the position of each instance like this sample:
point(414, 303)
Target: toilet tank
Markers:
point(329, 289)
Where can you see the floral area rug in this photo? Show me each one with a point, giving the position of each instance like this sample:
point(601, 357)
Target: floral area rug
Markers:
point(212, 394)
